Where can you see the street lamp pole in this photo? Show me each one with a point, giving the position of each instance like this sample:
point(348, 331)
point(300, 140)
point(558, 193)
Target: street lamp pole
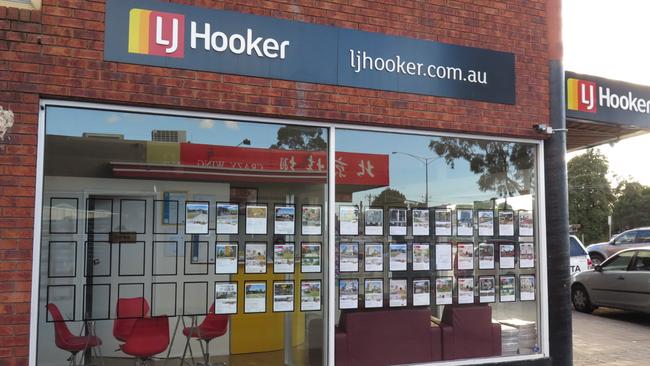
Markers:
point(426, 162)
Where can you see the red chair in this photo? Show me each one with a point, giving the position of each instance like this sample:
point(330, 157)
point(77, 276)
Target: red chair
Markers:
point(128, 311)
point(211, 327)
point(149, 337)
point(65, 340)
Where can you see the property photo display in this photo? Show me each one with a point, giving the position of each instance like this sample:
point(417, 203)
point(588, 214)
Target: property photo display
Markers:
point(283, 258)
point(465, 222)
point(526, 223)
point(348, 220)
point(312, 220)
point(421, 222)
point(255, 297)
point(226, 258)
point(506, 223)
point(421, 256)
point(373, 257)
point(421, 292)
point(225, 298)
point(398, 292)
point(444, 290)
point(348, 293)
point(197, 217)
point(255, 258)
point(285, 220)
point(227, 218)
point(443, 257)
point(442, 219)
point(283, 296)
point(310, 295)
point(374, 221)
point(349, 257)
point(507, 256)
point(397, 221)
point(310, 257)
point(465, 290)
point(373, 293)
point(485, 222)
point(465, 256)
point(486, 289)
point(256, 218)
point(527, 287)
point(486, 256)
point(397, 256)
point(507, 288)
point(526, 255)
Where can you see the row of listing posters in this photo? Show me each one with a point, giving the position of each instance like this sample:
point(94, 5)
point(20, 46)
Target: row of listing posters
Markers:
point(468, 291)
point(197, 219)
point(373, 223)
point(255, 296)
point(255, 258)
point(420, 256)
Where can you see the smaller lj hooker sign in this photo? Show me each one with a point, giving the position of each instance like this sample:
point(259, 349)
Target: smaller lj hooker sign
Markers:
point(149, 32)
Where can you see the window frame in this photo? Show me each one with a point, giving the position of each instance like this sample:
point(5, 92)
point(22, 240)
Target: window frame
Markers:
point(329, 294)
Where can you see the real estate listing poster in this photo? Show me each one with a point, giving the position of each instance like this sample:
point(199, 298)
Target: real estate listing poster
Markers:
point(527, 287)
point(421, 257)
point(444, 290)
point(225, 294)
point(507, 256)
point(283, 258)
point(526, 255)
point(421, 222)
point(486, 256)
point(397, 221)
point(397, 256)
point(254, 297)
point(443, 257)
point(398, 292)
point(310, 295)
point(310, 257)
point(442, 222)
point(312, 220)
point(487, 292)
point(421, 292)
point(349, 257)
point(507, 288)
point(485, 223)
point(285, 220)
point(227, 218)
point(256, 218)
point(197, 217)
point(526, 223)
point(465, 255)
point(465, 218)
point(283, 296)
point(255, 258)
point(349, 220)
point(374, 293)
point(506, 223)
point(465, 290)
point(374, 257)
point(226, 258)
point(348, 294)
point(374, 221)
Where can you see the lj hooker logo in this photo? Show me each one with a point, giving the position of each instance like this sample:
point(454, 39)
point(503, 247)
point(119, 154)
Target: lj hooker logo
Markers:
point(581, 95)
point(156, 33)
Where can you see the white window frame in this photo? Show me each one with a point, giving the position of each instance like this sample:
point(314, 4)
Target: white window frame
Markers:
point(31, 5)
point(331, 278)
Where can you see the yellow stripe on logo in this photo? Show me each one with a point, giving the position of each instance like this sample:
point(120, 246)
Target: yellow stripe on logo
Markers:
point(572, 94)
point(139, 31)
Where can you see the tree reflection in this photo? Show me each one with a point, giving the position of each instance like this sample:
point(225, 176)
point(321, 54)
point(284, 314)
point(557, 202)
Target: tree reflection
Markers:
point(505, 168)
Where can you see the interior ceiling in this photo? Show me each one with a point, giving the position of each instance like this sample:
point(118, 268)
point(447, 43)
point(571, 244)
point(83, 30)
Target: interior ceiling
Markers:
point(585, 134)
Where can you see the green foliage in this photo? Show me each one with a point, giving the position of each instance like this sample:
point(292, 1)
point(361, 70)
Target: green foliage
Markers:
point(590, 195)
point(389, 197)
point(632, 207)
point(300, 138)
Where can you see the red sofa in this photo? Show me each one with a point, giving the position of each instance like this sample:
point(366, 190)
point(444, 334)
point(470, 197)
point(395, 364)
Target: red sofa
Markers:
point(468, 331)
point(387, 337)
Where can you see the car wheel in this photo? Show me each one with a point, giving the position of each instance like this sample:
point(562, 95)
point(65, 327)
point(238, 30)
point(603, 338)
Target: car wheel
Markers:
point(580, 299)
point(596, 258)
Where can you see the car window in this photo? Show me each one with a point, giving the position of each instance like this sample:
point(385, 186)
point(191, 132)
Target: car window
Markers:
point(643, 236)
point(642, 261)
point(626, 238)
point(619, 262)
point(576, 248)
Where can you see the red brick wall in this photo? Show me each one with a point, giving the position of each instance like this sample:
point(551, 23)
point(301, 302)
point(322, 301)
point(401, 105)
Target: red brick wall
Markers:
point(57, 53)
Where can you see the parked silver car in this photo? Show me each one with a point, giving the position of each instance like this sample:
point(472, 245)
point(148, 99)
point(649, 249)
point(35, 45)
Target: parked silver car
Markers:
point(628, 239)
point(622, 281)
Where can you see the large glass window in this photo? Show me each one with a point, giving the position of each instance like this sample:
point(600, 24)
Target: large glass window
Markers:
point(437, 253)
point(181, 237)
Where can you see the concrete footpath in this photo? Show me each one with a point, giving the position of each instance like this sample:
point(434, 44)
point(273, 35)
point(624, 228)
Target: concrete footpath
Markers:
point(611, 337)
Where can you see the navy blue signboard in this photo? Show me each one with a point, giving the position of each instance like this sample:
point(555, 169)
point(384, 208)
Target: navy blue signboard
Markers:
point(598, 99)
point(171, 35)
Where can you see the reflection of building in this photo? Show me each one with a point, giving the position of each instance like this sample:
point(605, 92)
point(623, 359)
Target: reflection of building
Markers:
point(168, 136)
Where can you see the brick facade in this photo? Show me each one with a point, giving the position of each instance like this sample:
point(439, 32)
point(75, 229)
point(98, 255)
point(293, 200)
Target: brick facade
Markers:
point(57, 52)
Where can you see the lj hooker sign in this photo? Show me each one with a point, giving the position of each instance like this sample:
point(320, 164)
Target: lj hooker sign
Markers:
point(171, 35)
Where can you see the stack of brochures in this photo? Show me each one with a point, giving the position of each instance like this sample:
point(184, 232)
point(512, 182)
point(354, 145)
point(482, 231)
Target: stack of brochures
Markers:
point(526, 335)
point(509, 340)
